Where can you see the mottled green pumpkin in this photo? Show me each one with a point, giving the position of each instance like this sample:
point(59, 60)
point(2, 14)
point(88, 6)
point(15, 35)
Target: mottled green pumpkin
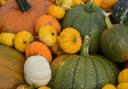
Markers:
point(82, 71)
point(11, 68)
point(114, 42)
point(88, 20)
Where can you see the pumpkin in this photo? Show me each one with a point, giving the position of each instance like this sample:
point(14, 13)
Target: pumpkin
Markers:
point(7, 38)
point(123, 86)
point(22, 15)
point(44, 87)
point(38, 48)
point(114, 42)
point(47, 34)
point(88, 20)
point(37, 71)
point(77, 2)
point(70, 40)
point(123, 76)
point(22, 39)
point(56, 11)
point(66, 4)
point(120, 12)
point(48, 20)
point(11, 68)
point(105, 4)
point(109, 86)
point(81, 71)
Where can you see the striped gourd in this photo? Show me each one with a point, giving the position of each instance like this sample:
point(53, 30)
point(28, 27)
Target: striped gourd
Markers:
point(114, 42)
point(120, 12)
point(82, 71)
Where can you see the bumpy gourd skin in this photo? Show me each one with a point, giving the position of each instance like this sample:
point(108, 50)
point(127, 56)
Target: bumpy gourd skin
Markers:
point(79, 72)
point(88, 21)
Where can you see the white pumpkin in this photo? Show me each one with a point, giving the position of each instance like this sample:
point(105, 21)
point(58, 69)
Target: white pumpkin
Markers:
point(37, 71)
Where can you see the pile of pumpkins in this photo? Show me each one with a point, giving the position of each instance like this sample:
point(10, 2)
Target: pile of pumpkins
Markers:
point(63, 44)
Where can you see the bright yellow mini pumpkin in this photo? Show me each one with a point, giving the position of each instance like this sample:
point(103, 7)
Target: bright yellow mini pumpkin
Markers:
point(22, 39)
point(77, 2)
point(123, 76)
point(70, 40)
point(56, 11)
point(123, 86)
point(109, 86)
point(48, 35)
point(7, 38)
point(44, 87)
point(2, 2)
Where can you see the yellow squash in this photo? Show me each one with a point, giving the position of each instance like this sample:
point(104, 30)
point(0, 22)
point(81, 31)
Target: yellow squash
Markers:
point(22, 39)
point(56, 11)
point(70, 40)
point(77, 2)
point(7, 38)
point(43, 87)
point(123, 86)
point(48, 35)
point(109, 86)
point(123, 76)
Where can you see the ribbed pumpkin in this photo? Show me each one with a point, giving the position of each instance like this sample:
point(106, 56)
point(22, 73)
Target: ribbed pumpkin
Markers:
point(114, 42)
point(11, 68)
point(82, 71)
point(120, 12)
point(21, 14)
point(48, 20)
point(38, 48)
point(88, 20)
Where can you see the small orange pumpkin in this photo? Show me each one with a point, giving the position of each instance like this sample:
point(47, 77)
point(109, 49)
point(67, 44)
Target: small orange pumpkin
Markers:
point(38, 48)
point(48, 20)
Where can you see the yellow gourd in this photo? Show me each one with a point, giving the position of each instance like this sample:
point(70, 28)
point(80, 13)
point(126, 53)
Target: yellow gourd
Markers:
point(123, 76)
point(56, 11)
point(48, 35)
point(22, 39)
point(2, 2)
point(77, 2)
point(43, 87)
point(7, 38)
point(123, 86)
point(109, 86)
point(70, 40)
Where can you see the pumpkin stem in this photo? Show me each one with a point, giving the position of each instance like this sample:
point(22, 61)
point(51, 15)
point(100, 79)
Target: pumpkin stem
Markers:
point(23, 5)
point(90, 5)
point(108, 23)
point(85, 46)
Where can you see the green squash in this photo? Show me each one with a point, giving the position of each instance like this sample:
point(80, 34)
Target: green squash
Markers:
point(88, 20)
point(82, 71)
point(114, 42)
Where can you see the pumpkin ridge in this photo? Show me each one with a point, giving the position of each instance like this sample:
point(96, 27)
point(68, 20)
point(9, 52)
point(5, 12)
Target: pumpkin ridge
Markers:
point(96, 87)
point(74, 74)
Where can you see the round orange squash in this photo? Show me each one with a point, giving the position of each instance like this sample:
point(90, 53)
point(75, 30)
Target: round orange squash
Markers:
point(21, 14)
point(38, 48)
point(11, 68)
point(48, 20)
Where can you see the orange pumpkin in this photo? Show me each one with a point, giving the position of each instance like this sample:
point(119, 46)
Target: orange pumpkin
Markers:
point(21, 14)
point(48, 20)
point(38, 48)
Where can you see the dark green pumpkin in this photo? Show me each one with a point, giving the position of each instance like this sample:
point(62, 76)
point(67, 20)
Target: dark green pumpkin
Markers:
point(114, 42)
point(88, 20)
point(120, 12)
point(82, 72)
